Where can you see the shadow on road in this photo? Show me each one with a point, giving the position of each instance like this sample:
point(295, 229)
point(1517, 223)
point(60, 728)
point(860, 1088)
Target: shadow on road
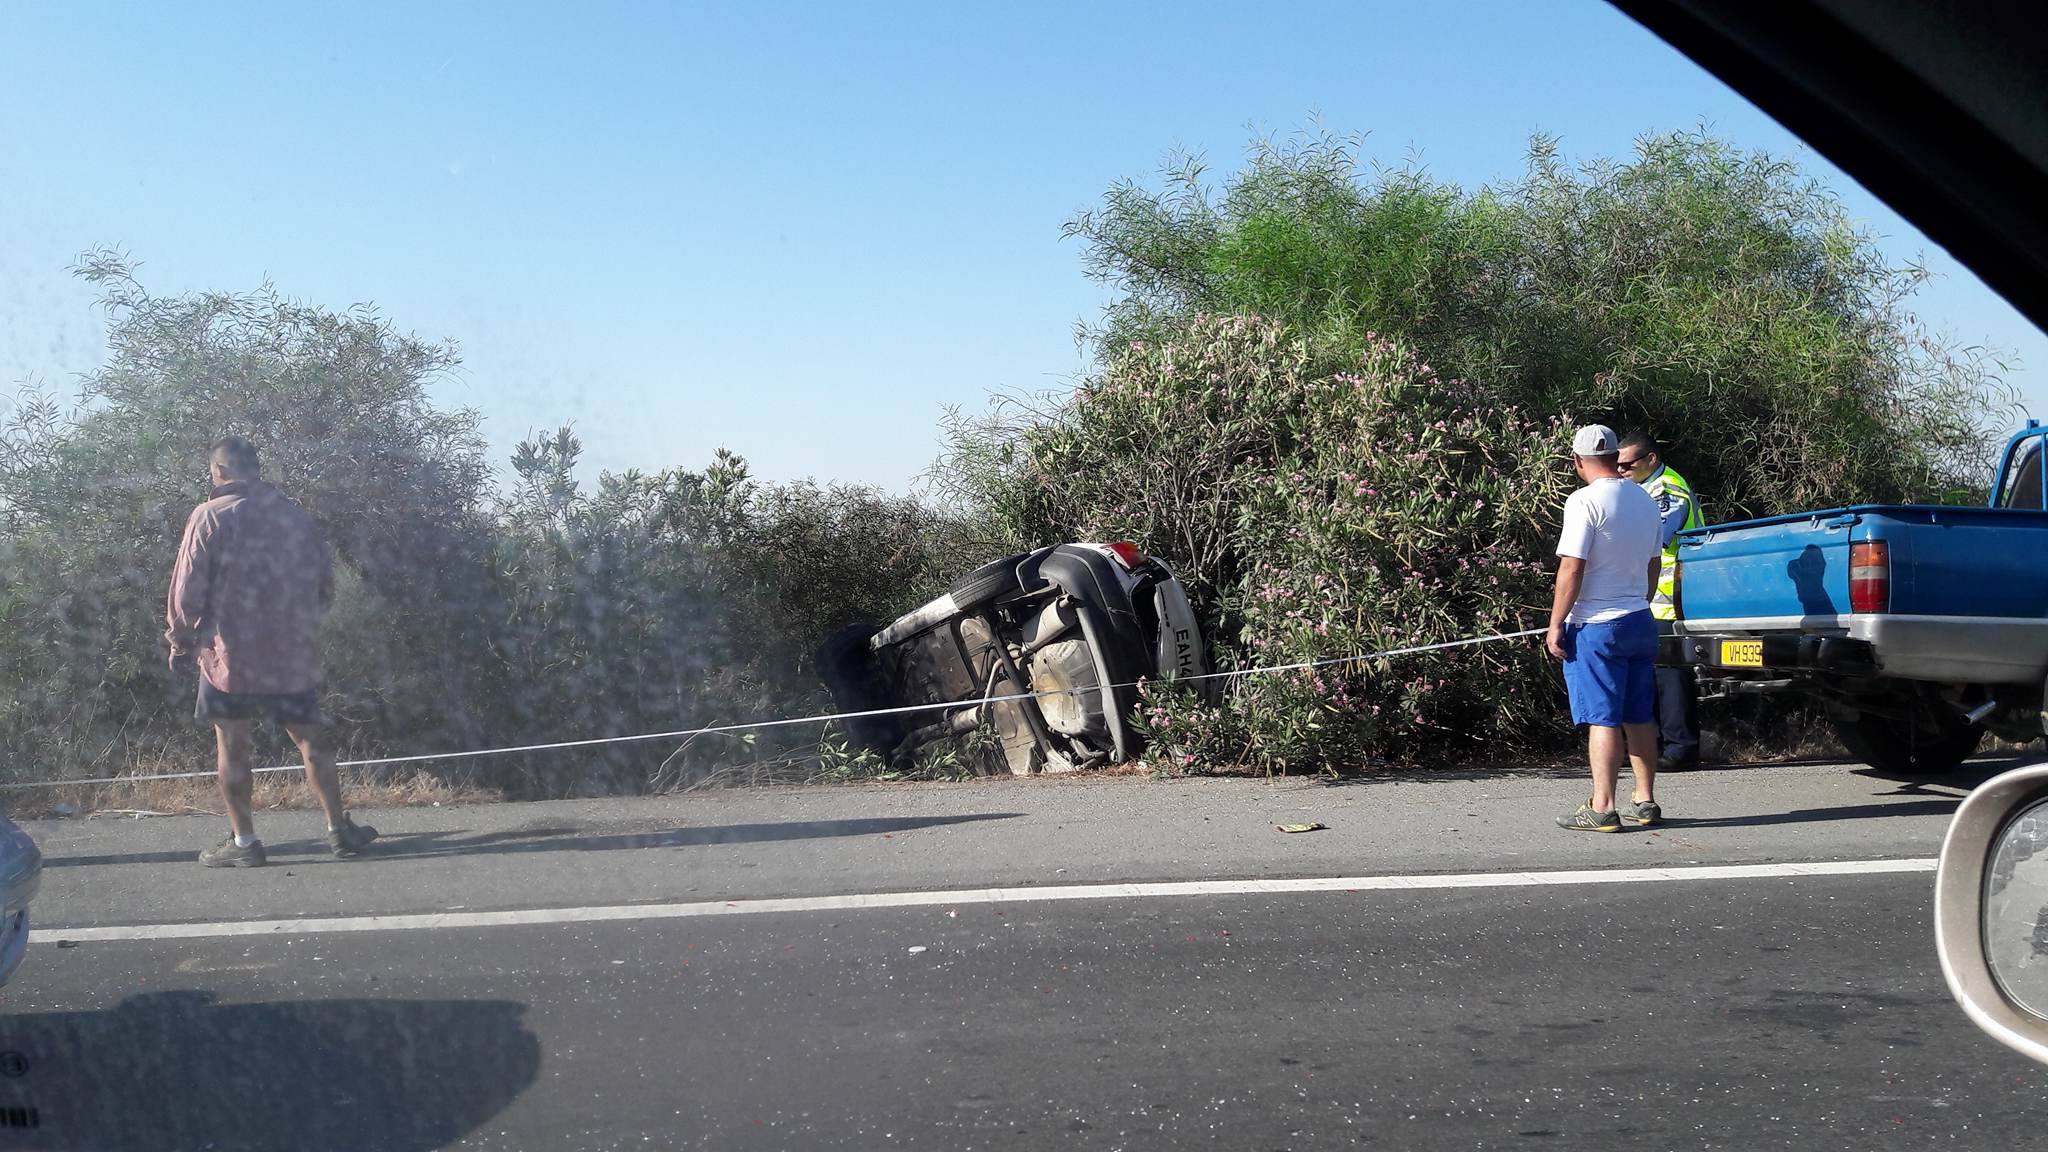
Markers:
point(1558, 768)
point(571, 838)
point(1573, 767)
point(1940, 807)
point(1965, 778)
point(175, 1070)
point(562, 838)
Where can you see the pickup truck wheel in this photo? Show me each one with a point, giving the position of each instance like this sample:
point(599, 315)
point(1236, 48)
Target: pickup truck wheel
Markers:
point(1891, 745)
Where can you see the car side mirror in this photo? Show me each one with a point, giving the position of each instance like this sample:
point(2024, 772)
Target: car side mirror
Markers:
point(1991, 909)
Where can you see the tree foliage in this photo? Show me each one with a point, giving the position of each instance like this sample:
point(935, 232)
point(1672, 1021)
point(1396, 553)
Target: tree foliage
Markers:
point(1323, 506)
point(1333, 399)
point(1715, 297)
point(466, 616)
point(1337, 402)
point(94, 498)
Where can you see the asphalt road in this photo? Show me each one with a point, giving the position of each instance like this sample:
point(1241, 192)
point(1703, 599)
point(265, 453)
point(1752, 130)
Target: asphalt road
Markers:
point(1766, 1010)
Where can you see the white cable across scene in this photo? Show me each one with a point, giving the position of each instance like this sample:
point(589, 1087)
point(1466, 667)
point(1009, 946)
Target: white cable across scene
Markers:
point(827, 718)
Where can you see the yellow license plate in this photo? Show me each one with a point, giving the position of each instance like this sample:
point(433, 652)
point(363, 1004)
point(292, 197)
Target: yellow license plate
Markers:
point(1742, 653)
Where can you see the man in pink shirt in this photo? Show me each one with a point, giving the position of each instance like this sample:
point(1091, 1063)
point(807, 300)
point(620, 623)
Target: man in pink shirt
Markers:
point(252, 580)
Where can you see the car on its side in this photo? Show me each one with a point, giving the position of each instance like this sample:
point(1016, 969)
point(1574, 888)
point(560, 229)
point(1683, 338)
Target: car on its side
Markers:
point(1073, 628)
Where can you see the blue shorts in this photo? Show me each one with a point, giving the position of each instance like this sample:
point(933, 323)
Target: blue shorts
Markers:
point(1610, 670)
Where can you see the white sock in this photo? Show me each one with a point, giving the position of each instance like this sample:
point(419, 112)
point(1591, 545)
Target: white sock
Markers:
point(242, 841)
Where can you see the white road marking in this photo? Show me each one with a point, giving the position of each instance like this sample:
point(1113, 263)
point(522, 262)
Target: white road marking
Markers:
point(866, 900)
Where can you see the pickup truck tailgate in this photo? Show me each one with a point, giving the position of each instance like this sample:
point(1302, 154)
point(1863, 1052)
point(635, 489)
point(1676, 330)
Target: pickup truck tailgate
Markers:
point(1776, 572)
point(1965, 589)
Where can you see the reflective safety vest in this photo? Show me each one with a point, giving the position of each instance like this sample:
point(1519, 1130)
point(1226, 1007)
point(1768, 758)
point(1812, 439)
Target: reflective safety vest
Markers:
point(1668, 486)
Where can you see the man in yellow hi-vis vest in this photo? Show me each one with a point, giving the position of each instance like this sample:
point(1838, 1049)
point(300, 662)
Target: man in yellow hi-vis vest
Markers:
point(1676, 695)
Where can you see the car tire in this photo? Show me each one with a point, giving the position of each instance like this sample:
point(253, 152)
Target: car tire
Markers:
point(1892, 745)
point(987, 583)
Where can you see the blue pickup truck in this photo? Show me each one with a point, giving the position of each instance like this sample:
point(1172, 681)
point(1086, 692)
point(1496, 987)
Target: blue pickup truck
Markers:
point(1918, 628)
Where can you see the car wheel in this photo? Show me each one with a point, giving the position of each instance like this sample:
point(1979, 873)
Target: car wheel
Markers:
point(1889, 744)
point(986, 583)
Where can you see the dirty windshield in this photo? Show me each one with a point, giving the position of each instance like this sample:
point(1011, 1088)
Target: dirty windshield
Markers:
point(1108, 577)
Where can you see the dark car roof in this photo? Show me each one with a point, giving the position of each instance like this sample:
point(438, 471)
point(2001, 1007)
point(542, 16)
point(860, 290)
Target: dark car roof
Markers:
point(1940, 109)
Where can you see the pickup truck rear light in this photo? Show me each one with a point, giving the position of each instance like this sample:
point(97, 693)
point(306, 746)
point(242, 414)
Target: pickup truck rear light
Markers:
point(1870, 577)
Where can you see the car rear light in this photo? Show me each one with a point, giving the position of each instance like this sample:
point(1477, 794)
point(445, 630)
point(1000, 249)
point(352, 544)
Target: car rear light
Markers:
point(1870, 577)
point(1127, 554)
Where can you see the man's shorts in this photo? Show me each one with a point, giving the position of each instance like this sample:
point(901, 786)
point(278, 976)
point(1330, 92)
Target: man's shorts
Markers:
point(1610, 670)
point(292, 708)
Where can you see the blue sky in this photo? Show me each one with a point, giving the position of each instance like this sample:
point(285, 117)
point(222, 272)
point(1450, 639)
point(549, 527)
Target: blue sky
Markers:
point(797, 231)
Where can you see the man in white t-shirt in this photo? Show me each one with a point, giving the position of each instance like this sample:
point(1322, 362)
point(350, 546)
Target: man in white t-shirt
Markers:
point(1609, 558)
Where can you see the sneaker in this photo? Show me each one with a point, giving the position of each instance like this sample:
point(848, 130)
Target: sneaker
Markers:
point(350, 839)
point(1645, 813)
point(1585, 819)
point(227, 854)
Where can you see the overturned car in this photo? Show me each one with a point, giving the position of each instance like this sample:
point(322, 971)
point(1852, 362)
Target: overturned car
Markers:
point(1077, 624)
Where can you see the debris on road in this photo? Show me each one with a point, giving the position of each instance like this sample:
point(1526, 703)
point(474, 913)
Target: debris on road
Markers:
point(1301, 827)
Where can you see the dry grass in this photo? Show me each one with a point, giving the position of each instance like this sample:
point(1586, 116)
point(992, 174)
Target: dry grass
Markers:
point(279, 791)
point(1813, 744)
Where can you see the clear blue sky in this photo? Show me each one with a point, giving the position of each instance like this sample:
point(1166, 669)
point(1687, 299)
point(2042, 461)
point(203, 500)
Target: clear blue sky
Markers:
point(795, 231)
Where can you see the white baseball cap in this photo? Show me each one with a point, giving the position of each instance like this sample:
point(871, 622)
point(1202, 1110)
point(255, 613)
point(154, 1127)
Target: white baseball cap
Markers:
point(1595, 440)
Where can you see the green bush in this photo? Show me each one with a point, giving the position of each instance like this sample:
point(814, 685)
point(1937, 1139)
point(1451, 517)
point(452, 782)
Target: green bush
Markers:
point(1335, 402)
point(465, 617)
point(1331, 400)
point(93, 502)
point(1323, 507)
point(687, 599)
point(1715, 297)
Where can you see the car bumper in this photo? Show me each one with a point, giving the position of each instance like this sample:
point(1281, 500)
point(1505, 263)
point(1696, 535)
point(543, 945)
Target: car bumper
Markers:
point(1945, 649)
point(1733, 651)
